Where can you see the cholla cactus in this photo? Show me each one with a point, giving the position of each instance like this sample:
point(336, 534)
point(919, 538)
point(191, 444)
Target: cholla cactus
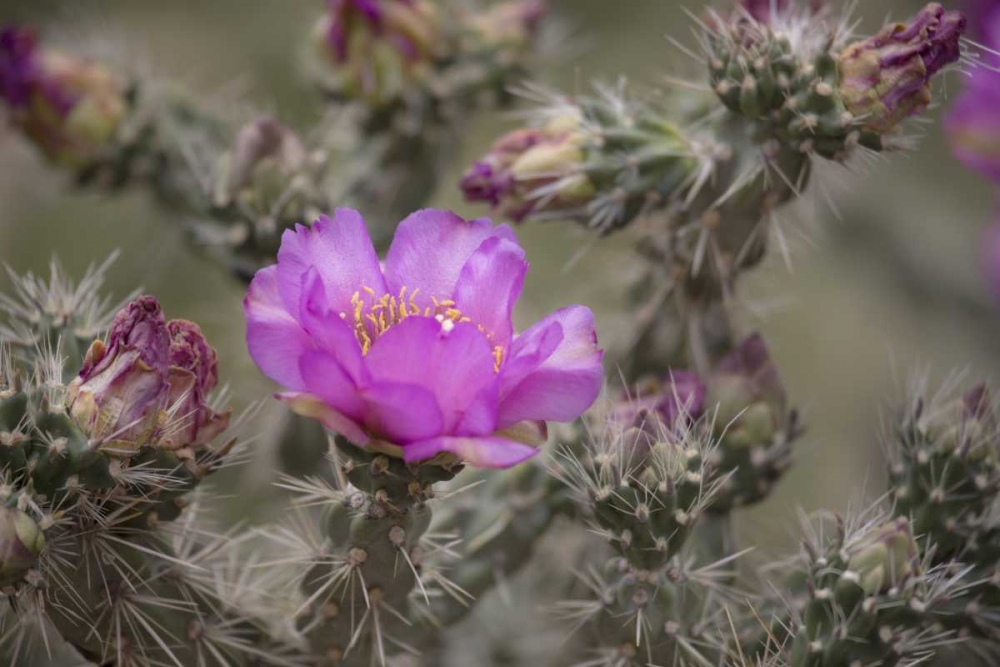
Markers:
point(707, 165)
point(643, 486)
point(94, 470)
point(862, 594)
point(412, 365)
point(416, 366)
point(943, 452)
point(411, 69)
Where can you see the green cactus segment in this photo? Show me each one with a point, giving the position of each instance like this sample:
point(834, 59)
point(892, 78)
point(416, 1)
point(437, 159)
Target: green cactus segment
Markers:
point(945, 472)
point(358, 596)
point(643, 492)
point(756, 431)
point(865, 597)
point(643, 489)
point(945, 475)
point(789, 97)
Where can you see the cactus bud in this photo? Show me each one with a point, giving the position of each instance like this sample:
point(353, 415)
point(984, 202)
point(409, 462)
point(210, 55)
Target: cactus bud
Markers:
point(748, 392)
point(886, 557)
point(21, 542)
point(886, 79)
point(533, 171)
point(511, 25)
point(148, 384)
point(69, 106)
point(265, 155)
point(378, 47)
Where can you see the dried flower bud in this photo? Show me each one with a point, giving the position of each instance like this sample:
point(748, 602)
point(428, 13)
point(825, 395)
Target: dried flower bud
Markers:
point(121, 391)
point(21, 542)
point(376, 48)
point(886, 79)
point(886, 557)
point(70, 107)
point(148, 385)
point(533, 171)
point(194, 373)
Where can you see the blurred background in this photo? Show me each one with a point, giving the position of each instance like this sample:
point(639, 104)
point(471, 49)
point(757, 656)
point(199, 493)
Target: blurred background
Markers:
point(887, 286)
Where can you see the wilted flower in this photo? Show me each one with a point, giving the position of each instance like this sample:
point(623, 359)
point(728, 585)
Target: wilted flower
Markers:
point(748, 395)
point(973, 124)
point(149, 384)
point(21, 542)
point(885, 558)
point(886, 79)
point(531, 171)
point(71, 107)
point(419, 357)
point(376, 48)
point(193, 375)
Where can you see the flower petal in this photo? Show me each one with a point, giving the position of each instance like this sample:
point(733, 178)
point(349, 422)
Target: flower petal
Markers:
point(482, 452)
point(456, 366)
point(431, 247)
point(552, 382)
point(275, 339)
point(340, 249)
point(326, 328)
point(489, 285)
point(401, 413)
point(328, 379)
point(313, 407)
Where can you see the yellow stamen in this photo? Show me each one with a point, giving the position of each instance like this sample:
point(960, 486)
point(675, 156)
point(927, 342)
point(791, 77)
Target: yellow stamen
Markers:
point(371, 316)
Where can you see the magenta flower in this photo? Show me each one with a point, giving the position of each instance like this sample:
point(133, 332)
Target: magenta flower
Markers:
point(418, 357)
point(973, 124)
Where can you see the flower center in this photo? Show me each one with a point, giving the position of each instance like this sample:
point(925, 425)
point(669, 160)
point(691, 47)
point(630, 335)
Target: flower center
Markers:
point(372, 318)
